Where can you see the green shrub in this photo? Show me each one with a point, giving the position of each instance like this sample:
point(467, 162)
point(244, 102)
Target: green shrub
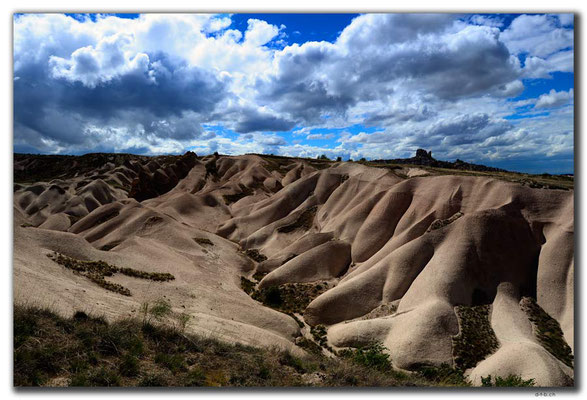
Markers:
point(370, 356)
point(509, 381)
point(444, 375)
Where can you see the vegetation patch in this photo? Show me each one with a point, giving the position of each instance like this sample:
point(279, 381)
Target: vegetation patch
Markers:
point(509, 381)
point(95, 271)
point(259, 275)
point(476, 339)
point(298, 321)
point(255, 255)
point(309, 345)
point(444, 375)
point(110, 246)
point(373, 358)
point(304, 221)
point(319, 334)
point(440, 223)
point(247, 285)
point(547, 331)
point(203, 241)
point(87, 351)
point(289, 297)
point(233, 198)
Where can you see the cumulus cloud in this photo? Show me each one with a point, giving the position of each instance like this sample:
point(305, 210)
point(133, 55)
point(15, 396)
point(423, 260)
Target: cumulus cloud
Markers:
point(377, 60)
point(537, 35)
point(486, 20)
point(155, 83)
point(554, 99)
point(259, 32)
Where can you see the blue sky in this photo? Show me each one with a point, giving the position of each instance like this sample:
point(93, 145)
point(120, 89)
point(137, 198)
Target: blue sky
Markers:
point(494, 89)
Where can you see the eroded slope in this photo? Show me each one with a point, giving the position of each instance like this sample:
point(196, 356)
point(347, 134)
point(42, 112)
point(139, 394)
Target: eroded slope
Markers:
point(374, 238)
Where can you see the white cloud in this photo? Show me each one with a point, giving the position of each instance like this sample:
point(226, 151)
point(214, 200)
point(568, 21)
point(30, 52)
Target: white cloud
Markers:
point(320, 136)
point(436, 81)
point(537, 35)
point(259, 32)
point(554, 99)
point(537, 67)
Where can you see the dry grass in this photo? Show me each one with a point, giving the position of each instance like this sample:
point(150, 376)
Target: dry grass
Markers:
point(96, 271)
point(86, 351)
point(547, 331)
point(476, 339)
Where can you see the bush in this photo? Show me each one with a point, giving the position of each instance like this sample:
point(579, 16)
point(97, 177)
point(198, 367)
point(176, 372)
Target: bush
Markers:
point(509, 381)
point(272, 297)
point(444, 375)
point(370, 356)
point(90, 352)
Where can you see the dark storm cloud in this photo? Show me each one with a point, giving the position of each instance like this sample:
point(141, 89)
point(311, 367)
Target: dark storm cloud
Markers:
point(163, 88)
point(162, 91)
point(251, 120)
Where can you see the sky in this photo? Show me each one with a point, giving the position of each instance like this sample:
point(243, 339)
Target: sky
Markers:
point(493, 89)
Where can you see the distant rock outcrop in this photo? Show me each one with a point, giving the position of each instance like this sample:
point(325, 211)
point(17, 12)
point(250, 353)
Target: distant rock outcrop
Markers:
point(425, 158)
